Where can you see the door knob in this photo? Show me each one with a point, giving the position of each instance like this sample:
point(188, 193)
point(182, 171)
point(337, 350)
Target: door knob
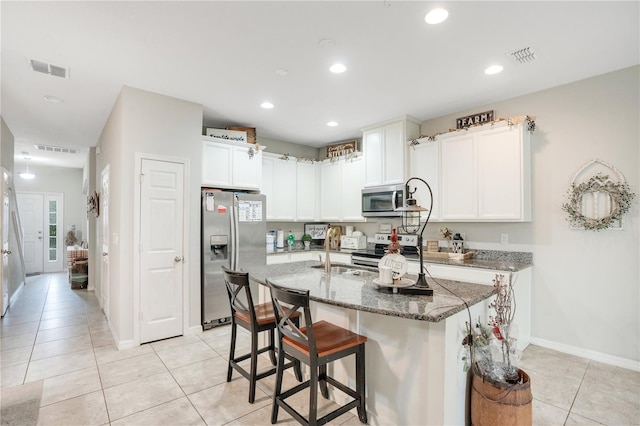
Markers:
point(177, 259)
point(105, 254)
point(6, 251)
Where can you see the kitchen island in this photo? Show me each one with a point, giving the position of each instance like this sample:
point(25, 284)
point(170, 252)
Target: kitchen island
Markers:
point(413, 369)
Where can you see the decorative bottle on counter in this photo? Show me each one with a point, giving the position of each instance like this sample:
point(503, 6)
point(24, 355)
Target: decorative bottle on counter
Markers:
point(290, 239)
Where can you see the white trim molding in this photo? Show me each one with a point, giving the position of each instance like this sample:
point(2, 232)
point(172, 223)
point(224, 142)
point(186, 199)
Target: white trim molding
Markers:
point(629, 364)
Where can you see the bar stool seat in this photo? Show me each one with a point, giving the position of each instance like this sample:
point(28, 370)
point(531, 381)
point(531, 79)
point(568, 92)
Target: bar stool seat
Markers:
point(255, 319)
point(316, 345)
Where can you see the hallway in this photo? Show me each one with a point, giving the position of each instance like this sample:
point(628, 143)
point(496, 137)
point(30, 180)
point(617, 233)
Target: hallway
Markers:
point(60, 366)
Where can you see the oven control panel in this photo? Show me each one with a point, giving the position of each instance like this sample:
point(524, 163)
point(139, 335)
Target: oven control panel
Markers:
point(403, 239)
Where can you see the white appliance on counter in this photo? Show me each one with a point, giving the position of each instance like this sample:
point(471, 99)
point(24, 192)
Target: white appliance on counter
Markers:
point(353, 242)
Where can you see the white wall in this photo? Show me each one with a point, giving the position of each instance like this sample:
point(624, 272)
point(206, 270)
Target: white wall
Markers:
point(145, 122)
point(63, 180)
point(585, 284)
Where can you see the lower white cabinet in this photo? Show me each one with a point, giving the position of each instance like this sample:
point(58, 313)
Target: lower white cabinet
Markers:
point(299, 256)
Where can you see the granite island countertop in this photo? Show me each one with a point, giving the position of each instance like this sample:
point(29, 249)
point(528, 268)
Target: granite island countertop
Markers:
point(360, 293)
point(482, 259)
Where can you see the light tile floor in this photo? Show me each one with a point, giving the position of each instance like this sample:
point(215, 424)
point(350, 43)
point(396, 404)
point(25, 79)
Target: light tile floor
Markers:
point(56, 340)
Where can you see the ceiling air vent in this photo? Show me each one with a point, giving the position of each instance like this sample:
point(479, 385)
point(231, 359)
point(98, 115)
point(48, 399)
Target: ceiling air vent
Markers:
point(45, 68)
point(59, 149)
point(523, 56)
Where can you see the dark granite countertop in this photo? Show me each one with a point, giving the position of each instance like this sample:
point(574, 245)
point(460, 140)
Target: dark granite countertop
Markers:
point(360, 293)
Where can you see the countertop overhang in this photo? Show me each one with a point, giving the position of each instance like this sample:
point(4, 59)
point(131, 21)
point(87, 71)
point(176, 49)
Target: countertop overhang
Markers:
point(360, 293)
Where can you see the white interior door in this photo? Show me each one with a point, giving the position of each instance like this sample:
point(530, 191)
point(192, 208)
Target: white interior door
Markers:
point(31, 211)
point(54, 253)
point(104, 241)
point(161, 237)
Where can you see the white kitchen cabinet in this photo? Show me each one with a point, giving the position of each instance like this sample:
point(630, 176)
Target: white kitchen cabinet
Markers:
point(424, 163)
point(279, 185)
point(351, 190)
point(384, 148)
point(233, 166)
point(486, 175)
point(340, 190)
point(330, 190)
point(306, 191)
point(459, 190)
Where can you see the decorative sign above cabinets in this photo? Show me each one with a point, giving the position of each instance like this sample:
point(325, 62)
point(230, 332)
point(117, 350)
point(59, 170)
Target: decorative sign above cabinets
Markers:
point(341, 149)
point(472, 120)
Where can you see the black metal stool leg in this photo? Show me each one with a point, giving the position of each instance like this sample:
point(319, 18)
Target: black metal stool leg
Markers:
point(272, 347)
point(232, 350)
point(313, 395)
point(322, 379)
point(278, 386)
point(253, 367)
point(360, 384)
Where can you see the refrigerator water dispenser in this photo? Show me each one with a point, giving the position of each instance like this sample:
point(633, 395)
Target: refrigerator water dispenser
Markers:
point(219, 245)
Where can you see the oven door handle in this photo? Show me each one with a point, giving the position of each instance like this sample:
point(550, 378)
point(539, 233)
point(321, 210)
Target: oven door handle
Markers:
point(364, 261)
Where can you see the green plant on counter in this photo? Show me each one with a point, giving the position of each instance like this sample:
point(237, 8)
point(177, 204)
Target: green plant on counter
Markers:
point(306, 237)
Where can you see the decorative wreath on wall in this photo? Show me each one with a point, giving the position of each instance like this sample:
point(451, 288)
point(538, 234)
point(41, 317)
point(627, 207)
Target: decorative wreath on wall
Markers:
point(619, 193)
point(93, 203)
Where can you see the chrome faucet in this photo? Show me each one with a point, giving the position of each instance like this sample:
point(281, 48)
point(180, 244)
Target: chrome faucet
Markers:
point(327, 239)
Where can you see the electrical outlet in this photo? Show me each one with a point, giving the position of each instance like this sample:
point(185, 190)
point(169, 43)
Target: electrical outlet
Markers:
point(504, 238)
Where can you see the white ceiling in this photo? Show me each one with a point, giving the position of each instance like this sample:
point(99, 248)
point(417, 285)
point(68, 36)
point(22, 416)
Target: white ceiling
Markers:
point(224, 55)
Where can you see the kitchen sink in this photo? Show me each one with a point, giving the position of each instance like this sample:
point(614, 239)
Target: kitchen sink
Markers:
point(350, 270)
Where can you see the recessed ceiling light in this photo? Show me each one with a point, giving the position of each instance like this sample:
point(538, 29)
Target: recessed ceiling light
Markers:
point(436, 16)
point(493, 69)
point(282, 71)
point(266, 105)
point(332, 124)
point(53, 99)
point(337, 68)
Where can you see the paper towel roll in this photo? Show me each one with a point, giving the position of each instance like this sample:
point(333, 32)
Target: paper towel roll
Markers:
point(280, 239)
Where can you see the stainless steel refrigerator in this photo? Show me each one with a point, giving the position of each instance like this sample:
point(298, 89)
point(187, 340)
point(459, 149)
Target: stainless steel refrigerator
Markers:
point(233, 235)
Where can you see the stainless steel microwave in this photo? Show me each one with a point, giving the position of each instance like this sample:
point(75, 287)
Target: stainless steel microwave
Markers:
point(382, 201)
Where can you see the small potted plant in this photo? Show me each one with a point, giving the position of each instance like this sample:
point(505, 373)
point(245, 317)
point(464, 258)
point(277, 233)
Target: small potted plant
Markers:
point(306, 239)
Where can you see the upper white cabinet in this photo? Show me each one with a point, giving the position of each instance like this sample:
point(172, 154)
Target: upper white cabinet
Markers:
point(486, 174)
point(279, 185)
point(290, 187)
point(351, 190)
point(231, 165)
point(330, 190)
point(424, 163)
point(340, 190)
point(306, 191)
point(384, 147)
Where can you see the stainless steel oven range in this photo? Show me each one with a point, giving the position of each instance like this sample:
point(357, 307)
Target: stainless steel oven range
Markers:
point(408, 243)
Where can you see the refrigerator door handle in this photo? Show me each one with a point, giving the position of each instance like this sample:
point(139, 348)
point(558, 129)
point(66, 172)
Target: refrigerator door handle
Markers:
point(233, 237)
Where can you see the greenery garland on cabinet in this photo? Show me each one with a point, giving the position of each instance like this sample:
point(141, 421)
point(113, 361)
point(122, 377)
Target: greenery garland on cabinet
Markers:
point(511, 121)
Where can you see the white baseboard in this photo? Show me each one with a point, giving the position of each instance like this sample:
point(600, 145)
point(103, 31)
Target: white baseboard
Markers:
point(127, 344)
point(588, 354)
point(16, 293)
point(196, 329)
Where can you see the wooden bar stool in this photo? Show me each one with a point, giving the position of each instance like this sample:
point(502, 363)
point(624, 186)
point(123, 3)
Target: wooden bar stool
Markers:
point(316, 345)
point(255, 319)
